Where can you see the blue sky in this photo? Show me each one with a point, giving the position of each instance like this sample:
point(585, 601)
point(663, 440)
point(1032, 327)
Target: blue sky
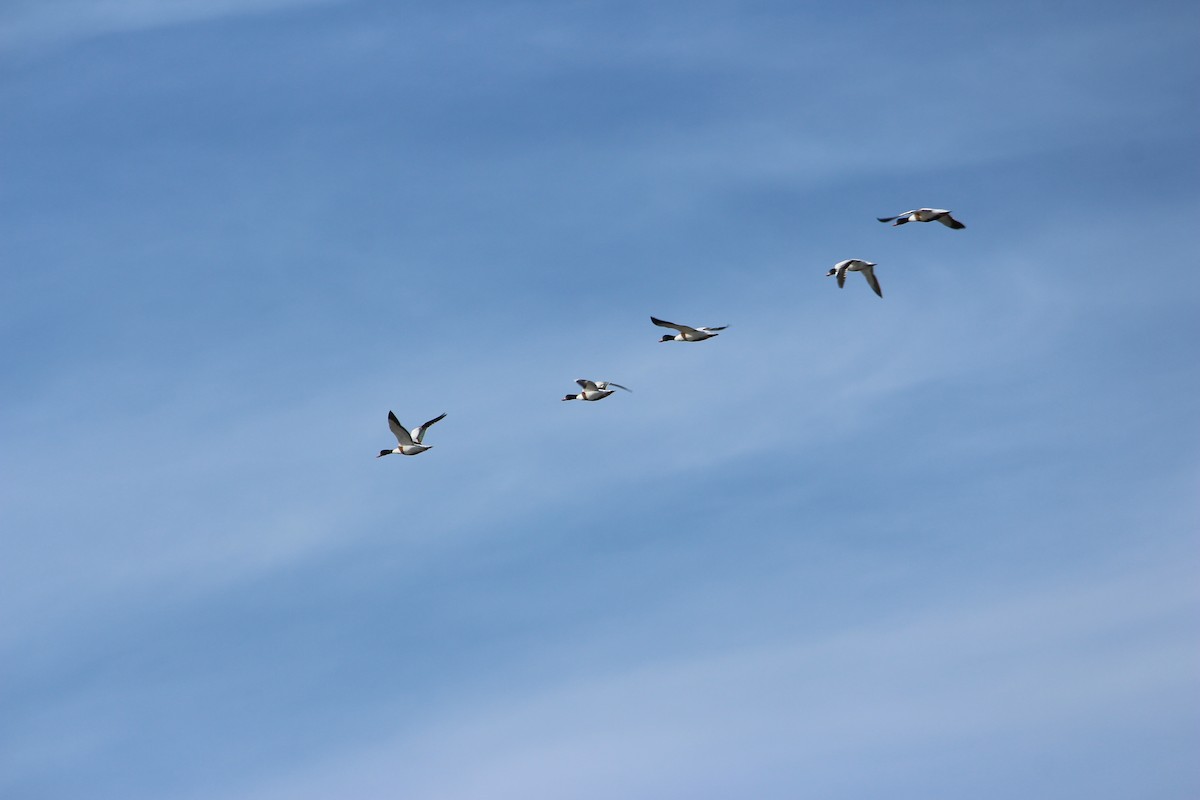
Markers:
point(940, 544)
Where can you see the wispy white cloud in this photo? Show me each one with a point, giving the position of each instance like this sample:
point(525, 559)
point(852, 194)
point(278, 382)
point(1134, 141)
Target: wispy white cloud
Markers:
point(1014, 672)
point(799, 102)
point(28, 24)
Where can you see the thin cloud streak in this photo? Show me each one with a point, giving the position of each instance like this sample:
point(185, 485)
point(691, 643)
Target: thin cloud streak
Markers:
point(669, 727)
point(34, 25)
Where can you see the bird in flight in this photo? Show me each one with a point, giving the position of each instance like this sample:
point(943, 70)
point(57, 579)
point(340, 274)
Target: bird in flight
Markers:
point(687, 334)
point(867, 269)
point(925, 215)
point(408, 444)
point(594, 390)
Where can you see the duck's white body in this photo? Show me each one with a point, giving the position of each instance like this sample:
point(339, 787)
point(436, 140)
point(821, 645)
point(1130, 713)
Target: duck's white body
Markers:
point(408, 444)
point(594, 390)
point(687, 334)
point(925, 215)
point(867, 268)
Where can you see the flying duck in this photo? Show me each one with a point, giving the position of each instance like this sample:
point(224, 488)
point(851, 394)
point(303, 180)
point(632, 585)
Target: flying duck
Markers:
point(925, 215)
point(594, 390)
point(867, 269)
point(687, 334)
point(408, 444)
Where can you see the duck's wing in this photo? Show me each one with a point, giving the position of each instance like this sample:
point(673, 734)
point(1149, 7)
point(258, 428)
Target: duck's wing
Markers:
point(419, 433)
point(398, 430)
point(586, 385)
point(710, 330)
point(950, 222)
point(841, 268)
point(664, 324)
point(869, 274)
point(889, 219)
point(606, 384)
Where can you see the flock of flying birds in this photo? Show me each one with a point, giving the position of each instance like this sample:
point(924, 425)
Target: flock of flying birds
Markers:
point(412, 443)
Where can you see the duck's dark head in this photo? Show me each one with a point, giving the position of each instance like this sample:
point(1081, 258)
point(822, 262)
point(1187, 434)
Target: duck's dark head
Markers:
point(383, 453)
point(666, 338)
point(831, 273)
point(570, 397)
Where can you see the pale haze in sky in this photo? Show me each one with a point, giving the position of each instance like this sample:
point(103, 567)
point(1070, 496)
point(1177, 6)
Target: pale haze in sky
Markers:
point(938, 544)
